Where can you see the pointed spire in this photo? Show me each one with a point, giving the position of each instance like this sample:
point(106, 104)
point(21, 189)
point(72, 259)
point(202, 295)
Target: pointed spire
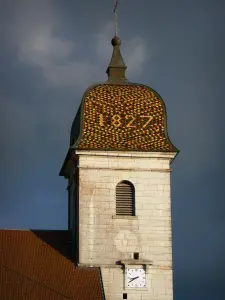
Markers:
point(116, 69)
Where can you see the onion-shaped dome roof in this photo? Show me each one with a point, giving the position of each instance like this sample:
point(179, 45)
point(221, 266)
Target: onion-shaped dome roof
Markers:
point(120, 115)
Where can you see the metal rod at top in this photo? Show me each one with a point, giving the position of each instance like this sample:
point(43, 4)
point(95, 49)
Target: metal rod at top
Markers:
point(115, 18)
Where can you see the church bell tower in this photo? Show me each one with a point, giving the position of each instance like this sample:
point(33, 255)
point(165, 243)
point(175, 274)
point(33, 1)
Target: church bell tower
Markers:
point(118, 172)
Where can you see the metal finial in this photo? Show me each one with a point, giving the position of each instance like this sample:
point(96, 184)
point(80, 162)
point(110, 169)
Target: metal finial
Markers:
point(115, 18)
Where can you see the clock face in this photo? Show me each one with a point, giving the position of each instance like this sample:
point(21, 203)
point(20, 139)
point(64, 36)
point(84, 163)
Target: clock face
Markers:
point(135, 278)
point(123, 117)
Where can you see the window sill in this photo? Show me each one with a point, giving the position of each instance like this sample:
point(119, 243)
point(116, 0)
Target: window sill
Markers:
point(125, 217)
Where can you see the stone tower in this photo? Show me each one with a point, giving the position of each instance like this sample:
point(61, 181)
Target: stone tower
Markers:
point(118, 169)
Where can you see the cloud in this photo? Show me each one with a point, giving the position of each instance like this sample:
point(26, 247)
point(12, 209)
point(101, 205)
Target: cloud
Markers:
point(44, 51)
point(60, 59)
point(54, 56)
point(136, 55)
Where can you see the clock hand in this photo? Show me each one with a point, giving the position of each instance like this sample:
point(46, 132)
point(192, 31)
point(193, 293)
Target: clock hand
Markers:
point(132, 279)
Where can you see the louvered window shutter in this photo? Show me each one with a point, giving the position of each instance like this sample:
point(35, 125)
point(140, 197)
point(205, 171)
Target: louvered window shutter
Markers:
point(125, 199)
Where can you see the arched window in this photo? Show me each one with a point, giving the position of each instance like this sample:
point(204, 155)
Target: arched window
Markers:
point(125, 199)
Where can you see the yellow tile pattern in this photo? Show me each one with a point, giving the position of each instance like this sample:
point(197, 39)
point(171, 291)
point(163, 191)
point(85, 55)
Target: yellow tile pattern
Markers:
point(121, 117)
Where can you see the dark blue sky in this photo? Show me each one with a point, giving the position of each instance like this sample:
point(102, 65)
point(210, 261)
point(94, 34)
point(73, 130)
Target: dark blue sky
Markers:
point(52, 50)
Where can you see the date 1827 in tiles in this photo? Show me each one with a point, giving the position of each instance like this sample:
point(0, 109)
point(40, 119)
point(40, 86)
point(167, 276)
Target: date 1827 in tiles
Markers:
point(127, 121)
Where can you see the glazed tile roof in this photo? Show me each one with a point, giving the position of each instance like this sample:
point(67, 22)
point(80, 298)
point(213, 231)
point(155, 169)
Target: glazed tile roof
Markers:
point(123, 116)
point(38, 265)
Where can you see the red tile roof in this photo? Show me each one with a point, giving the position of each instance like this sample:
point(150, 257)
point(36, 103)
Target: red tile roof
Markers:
point(37, 265)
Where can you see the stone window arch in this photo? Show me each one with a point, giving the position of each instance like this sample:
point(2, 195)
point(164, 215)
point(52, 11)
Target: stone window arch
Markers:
point(125, 199)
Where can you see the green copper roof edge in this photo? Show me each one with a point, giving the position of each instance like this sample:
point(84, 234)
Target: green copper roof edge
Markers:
point(125, 149)
point(76, 144)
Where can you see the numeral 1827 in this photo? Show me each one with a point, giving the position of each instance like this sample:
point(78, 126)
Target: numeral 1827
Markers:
point(117, 121)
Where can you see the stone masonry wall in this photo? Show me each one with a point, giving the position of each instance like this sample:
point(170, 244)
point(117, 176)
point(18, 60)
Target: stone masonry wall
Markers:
point(105, 238)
